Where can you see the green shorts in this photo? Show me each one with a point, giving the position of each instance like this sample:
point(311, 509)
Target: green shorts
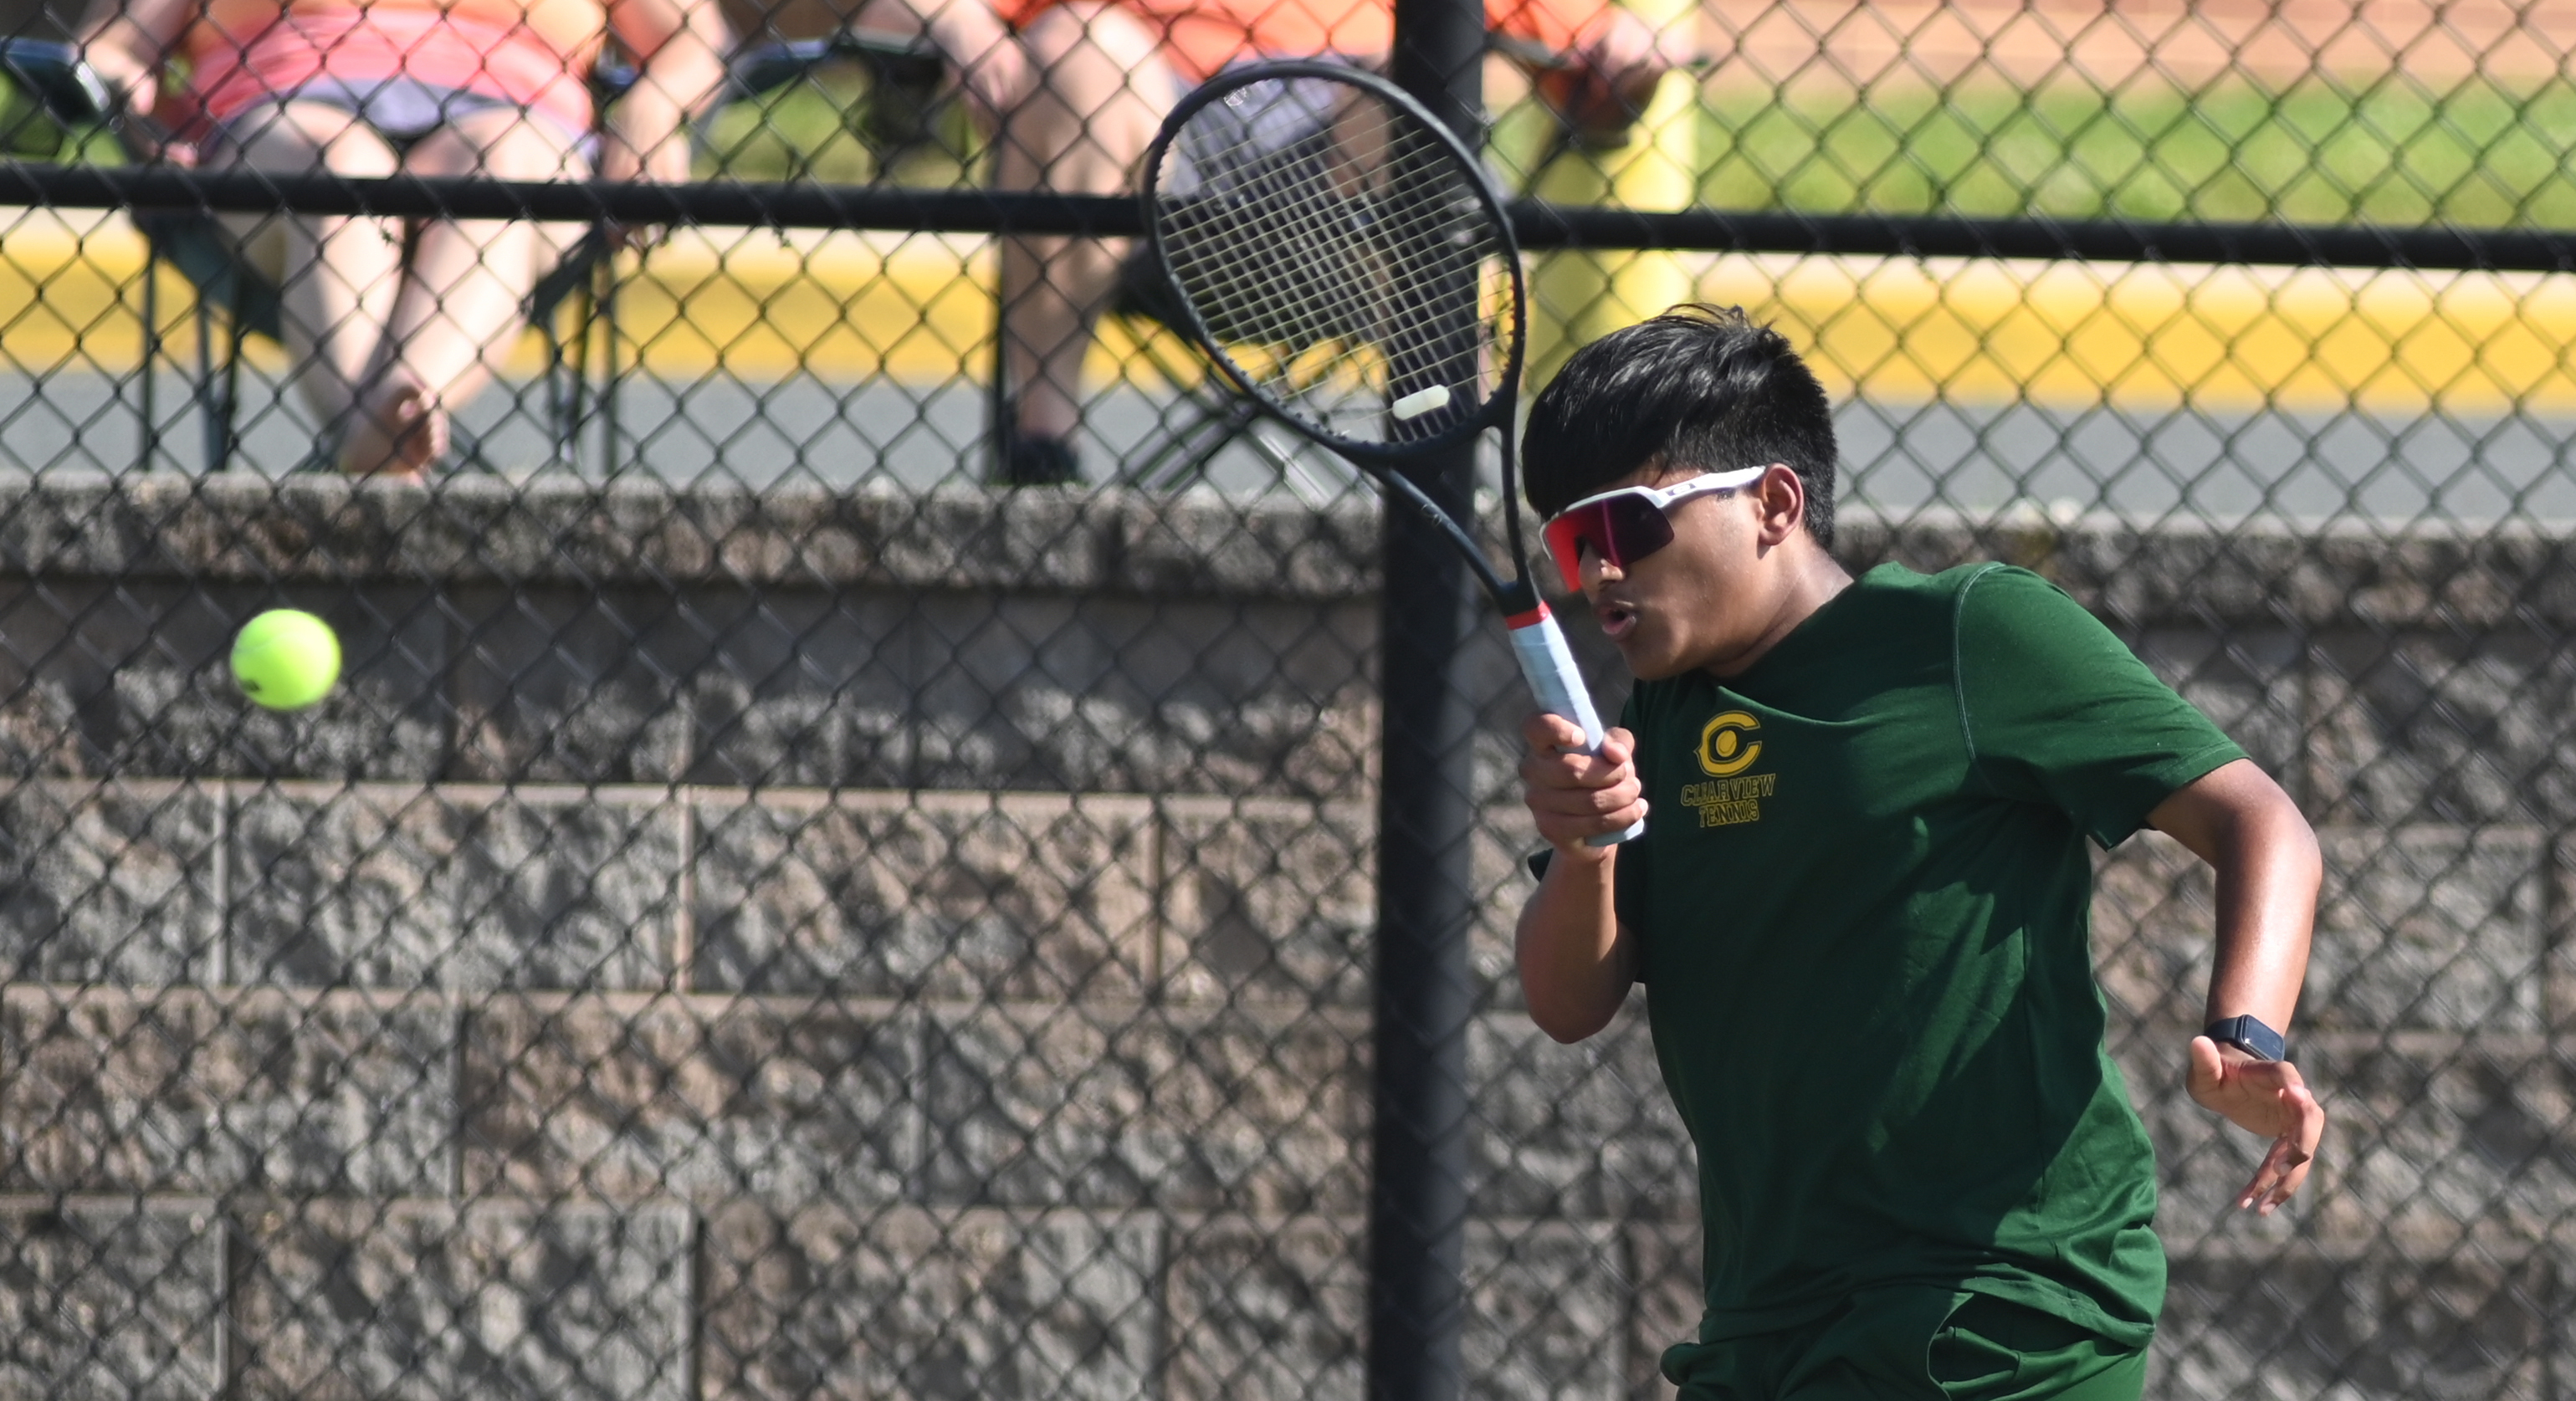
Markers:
point(1913, 1344)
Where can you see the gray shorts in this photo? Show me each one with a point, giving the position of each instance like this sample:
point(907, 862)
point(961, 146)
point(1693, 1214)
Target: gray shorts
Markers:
point(1263, 144)
point(404, 111)
point(1254, 137)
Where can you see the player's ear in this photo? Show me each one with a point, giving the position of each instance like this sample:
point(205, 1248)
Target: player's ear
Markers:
point(1783, 502)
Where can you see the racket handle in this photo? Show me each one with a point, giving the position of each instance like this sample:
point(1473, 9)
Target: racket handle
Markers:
point(1539, 644)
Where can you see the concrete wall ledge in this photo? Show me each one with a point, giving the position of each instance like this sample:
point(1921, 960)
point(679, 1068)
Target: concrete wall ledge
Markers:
point(2267, 573)
point(236, 527)
point(242, 528)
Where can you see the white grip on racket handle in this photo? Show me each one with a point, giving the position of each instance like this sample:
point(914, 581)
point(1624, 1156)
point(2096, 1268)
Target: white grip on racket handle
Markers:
point(1539, 644)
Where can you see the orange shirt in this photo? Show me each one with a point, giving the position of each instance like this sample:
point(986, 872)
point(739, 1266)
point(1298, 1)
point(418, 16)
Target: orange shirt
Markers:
point(1203, 36)
point(535, 54)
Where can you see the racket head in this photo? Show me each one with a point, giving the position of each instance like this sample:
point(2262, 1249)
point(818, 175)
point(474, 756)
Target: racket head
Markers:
point(1340, 255)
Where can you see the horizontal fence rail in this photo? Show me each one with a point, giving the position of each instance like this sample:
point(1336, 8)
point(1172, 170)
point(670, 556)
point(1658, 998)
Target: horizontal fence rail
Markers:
point(1540, 226)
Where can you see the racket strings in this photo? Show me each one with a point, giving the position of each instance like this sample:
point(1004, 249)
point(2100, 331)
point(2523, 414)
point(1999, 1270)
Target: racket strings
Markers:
point(1342, 266)
point(1246, 263)
point(1436, 239)
point(1234, 263)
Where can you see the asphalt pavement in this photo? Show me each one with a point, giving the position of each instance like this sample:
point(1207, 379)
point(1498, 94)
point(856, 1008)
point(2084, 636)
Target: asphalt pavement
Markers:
point(2140, 464)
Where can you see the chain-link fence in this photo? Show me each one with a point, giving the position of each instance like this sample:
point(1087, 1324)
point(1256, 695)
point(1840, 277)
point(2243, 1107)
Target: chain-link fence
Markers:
point(774, 910)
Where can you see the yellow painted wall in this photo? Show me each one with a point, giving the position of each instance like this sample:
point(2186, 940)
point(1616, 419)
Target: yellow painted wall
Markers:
point(849, 306)
point(2153, 335)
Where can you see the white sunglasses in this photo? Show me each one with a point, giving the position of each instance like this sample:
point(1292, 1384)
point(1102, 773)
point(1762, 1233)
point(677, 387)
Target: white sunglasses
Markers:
point(1627, 525)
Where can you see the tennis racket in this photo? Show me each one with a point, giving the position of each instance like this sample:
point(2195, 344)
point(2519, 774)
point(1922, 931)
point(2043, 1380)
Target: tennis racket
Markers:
point(1344, 261)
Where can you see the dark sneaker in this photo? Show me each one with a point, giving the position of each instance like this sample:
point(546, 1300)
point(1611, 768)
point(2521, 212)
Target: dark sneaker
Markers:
point(1042, 462)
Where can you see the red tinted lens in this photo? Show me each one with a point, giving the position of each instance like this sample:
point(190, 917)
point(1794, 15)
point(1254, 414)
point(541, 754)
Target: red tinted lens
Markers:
point(1567, 536)
point(1621, 530)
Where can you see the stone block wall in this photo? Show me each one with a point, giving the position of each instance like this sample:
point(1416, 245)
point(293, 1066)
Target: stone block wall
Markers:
point(741, 946)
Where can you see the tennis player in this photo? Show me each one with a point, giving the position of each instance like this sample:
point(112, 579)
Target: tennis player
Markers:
point(1860, 905)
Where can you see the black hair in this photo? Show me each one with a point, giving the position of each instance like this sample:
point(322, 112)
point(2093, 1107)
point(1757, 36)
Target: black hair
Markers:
point(1697, 387)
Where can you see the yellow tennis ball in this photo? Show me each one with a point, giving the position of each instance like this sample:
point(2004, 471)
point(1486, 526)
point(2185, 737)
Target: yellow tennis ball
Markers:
point(286, 659)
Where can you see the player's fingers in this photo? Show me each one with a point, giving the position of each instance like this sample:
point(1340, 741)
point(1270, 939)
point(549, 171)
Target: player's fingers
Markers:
point(1581, 799)
point(1621, 803)
point(2284, 1165)
point(2308, 1128)
point(1549, 733)
point(1555, 760)
point(1576, 829)
point(2264, 1192)
point(2259, 1188)
point(2298, 1147)
point(2284, 1169)
point(1574, 796)
point(2265, 1097)
point(1618, 746)
point(1610, 766)
point(2276, 1097)
point(2207, 1070)
point(1549, 772)
point(2287, 1188)
point(1545, 772)
point(1564, 831)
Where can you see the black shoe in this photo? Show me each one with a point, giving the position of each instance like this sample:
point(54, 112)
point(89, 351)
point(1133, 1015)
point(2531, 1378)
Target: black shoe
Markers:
point(1041, 462)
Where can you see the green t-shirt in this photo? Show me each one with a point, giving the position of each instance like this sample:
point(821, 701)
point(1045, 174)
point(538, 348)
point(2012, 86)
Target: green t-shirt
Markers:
point(1862, 909)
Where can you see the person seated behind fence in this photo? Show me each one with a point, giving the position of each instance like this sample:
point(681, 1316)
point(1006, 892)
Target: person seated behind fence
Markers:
point(1075, 89)
point(390, 328)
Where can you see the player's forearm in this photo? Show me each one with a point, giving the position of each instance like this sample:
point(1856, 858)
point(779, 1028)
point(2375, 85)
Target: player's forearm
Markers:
point(1574, 967)
point(2268, 873)
point(2265, 857)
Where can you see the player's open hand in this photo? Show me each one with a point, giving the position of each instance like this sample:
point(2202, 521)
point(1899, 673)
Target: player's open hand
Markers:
point(1576, 796)
point(2265, 1097)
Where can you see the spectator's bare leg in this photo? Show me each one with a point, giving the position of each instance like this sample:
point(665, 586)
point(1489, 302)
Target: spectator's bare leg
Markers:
point(336, 277)
point(1103, 87)
point(463, 297)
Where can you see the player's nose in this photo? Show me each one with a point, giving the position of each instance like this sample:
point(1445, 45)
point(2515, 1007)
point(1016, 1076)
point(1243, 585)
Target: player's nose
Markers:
point(1597, 572)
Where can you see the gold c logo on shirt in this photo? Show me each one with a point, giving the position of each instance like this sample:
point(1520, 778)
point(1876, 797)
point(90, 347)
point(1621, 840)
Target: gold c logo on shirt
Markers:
point(1726, 751)
point(1723, 749)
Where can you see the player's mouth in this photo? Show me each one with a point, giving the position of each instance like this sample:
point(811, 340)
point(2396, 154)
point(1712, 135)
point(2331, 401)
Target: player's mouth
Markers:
point(1617, 618)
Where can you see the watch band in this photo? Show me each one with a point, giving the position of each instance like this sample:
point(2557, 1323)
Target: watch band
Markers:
point(2250, 1035)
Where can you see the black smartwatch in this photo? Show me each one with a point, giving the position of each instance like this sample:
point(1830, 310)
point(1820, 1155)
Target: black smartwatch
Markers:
point(2249, 1035)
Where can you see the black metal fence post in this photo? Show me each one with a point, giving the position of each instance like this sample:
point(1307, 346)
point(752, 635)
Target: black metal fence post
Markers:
point(1426, 815)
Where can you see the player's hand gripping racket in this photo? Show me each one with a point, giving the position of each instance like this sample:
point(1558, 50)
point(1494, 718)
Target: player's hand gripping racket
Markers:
point(1345, 261)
